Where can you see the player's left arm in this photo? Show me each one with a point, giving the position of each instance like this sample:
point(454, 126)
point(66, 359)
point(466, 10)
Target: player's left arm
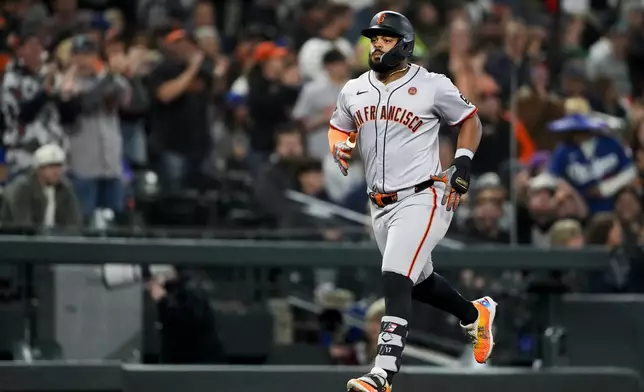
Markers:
point(457, 111)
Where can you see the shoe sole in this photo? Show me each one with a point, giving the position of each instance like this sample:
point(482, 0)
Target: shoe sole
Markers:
point(491, 323)
point(359, 386)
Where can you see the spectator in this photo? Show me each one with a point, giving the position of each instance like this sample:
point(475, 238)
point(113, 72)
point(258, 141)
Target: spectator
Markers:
point(16, 17)
point(335, 334)
point(99, 30)
point(66, 20)
point(511, 64)
point(132, 116)
point(628, 210)
point(485, 222)
point(537, 105)
point(98, 91)
point(570, 204)
point(610, 97)
point(542, 209)
point(188, 330)
point(43, 197)
point(635, 52)
point(595, 164)
point(427, 24)
point(204, 15)
point(316, 103)
point(567, 233)
point(494, 149)
point(487, 189)
point(308, 22)
point(29, 108)
point(180, 87)
point(310, 181)
point(637, 149)
point(279, 175)
point(453, 60)
point(269, 100)
point(338, 20)
point(612, 64)
point(604, 229)
point(349, 191)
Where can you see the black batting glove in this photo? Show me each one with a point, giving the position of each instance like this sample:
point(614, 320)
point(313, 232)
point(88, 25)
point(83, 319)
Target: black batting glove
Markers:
point(457, 181)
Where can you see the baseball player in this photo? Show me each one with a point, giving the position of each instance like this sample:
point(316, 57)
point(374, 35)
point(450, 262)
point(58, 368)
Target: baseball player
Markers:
point(392, 114)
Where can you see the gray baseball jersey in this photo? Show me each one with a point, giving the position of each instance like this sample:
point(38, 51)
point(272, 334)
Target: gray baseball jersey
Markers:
point(397, 128)
point(398, 124)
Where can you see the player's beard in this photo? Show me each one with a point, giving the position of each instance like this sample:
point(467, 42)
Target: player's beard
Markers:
point(379, 67)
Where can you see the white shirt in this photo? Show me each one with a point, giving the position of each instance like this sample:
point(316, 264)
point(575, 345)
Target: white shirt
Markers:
point(313, 51)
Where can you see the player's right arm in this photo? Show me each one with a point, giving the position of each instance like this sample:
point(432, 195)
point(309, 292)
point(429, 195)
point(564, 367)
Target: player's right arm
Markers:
point(341, 126)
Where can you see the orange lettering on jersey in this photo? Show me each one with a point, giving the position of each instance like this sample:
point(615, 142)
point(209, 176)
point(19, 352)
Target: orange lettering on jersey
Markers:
point(392, 113)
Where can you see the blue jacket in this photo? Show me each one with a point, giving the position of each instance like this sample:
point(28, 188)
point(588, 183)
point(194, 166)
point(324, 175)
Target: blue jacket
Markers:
point(607, 158)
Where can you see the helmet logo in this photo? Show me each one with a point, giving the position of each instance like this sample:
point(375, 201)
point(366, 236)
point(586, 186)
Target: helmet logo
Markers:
point(412, 91)
point(381, 18)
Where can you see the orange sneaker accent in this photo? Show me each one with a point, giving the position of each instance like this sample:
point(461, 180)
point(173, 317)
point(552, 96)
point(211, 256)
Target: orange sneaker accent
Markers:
point(483, 344)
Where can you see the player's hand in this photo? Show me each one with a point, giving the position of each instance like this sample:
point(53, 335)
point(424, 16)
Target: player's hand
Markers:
point(457, 182)
point(341, 156)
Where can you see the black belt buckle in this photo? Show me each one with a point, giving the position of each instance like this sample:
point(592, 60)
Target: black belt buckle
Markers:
point(423, 185)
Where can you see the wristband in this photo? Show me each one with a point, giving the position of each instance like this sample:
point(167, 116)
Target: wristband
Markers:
point(464, 152)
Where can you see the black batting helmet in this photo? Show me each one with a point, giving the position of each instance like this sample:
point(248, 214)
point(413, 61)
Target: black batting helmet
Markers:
point(390, 23)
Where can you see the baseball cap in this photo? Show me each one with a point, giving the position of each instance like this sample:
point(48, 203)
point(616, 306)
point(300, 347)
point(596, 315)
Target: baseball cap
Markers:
point(268, 50)
point(99, 22)
point(544, 181)
point(576, 122)
point(489, 180)
point(175, 36)
point(83, 44)
point(49, 154)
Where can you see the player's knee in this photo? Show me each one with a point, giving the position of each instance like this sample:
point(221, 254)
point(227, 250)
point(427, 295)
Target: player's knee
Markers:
point(423, 289)
point(397, 290)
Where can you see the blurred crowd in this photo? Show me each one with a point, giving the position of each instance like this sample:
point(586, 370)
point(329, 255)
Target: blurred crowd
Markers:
point(208, 113)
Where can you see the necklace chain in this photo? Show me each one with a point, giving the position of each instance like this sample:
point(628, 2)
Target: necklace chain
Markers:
point(397, 71)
